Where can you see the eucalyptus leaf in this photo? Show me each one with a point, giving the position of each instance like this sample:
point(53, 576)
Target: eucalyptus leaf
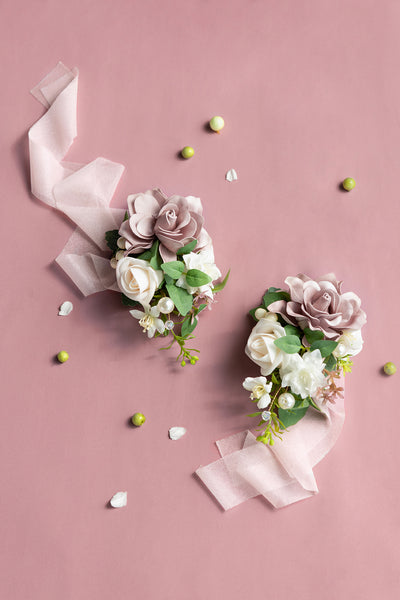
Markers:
point(196, 278)
point(326, 347)
point(201, 308)
point(288, 343)
point(312, 335)
point(293, 415)
point(181, 298)
point(174, 268)
point(187, 249)
point(188, 326)
point(292, 330)
point(112, 239)
point(330, 363)
point(273, 295)
point(220, 286)
point(152, 256)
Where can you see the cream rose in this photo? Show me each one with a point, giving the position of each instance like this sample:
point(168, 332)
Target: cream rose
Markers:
point(349, 343)
point(137, 279)
point(261, 348)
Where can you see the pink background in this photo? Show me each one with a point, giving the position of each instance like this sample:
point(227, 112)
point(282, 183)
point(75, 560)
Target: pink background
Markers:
point(310, 92)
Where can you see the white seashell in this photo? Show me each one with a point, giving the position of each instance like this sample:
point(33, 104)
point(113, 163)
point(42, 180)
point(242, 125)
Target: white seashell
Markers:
point(65, 308)
point(119, 500)
point(175, 433)
point(231, 175)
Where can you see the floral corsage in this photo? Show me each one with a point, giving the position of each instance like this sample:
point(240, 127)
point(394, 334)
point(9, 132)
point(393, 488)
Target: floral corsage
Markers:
point(303, 342)
point(165, 269)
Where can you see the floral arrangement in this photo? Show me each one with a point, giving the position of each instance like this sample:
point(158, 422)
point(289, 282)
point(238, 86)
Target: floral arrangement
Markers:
point(303, 342)
point(165, 269)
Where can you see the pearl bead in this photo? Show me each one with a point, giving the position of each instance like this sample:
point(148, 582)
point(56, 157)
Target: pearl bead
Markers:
point(217, 123)
point(169, 325)
point(266, 415)
point(286, 401)
point(121, 243)
point(120, 254)
point(165, 305)
point(113, 263)
point(260, 313)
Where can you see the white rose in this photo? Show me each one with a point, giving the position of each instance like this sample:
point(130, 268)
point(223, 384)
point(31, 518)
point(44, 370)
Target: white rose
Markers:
point(350, 342)
point(261, 348)
point(202, 261)
point(304, 374)
point(137, 279)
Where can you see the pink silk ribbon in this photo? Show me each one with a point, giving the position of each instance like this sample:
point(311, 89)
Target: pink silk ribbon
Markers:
point(82, 192)
point(282, 473)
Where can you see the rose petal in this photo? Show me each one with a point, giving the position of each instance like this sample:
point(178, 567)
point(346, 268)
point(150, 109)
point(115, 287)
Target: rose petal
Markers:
point(119, 500)
point(175, 433)
point(231, 175)
point(65, 308)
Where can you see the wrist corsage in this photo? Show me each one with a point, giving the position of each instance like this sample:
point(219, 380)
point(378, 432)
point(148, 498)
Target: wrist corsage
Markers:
point(165, 268)
point(303, 342)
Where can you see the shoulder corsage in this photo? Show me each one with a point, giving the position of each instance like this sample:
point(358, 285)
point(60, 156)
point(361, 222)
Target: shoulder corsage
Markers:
point(303, 342)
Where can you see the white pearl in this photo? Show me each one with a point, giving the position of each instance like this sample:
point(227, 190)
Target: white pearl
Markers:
point(120, 254)
point(165, 305)
point(271, 317)
point(266, 415)
point(286, 401)
point(121, 243)
point(113, 263)
point(260, 313)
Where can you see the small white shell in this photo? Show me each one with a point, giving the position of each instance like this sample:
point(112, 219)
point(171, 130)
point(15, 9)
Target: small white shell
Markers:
point(175, 433)
point(231, 175)
point(119, 500)
point(65, 308)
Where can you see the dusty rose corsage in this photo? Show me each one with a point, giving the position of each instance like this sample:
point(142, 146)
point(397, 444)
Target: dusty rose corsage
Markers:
point(303, 342)
point(165, 268)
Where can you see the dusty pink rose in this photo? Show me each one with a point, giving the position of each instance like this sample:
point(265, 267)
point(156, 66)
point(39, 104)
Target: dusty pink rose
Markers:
point(320, 305)
point(175, 221)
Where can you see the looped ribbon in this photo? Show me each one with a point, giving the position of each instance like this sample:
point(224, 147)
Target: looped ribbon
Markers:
point(282, 473)
point(82, 192)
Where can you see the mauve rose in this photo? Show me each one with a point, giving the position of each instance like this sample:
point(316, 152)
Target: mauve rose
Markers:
point(320, 305)
point(175, 221)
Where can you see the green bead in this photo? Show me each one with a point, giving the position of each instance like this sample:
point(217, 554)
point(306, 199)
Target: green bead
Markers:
point(62, 356)
point(217, 123)
point(390, 368)
point(349, 184)
point(187, 152)
point(138, 419)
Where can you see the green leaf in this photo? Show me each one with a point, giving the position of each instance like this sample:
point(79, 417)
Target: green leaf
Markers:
point(326, 347)
point(181, 298)
point(174, 268)
point(256, 414)
point(111, 239)
point(330, 363)
point(220, 286)
point(275, 380)
point(288, 343)
point(126, 216)
point(152, 256)
point(292, 416)
point(128, 302)
point(188, 326)
point(313, 335)
point(314, 405)
point(292, 330)
point(200, 308)
point(274, 294)
point(188, 248)
point(196, 278)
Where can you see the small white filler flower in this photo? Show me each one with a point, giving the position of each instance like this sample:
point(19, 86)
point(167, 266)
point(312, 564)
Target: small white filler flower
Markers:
point(259, 389)
point(149, 320)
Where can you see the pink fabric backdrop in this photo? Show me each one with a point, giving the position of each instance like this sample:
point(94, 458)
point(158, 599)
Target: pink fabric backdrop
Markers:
point(310, 92)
